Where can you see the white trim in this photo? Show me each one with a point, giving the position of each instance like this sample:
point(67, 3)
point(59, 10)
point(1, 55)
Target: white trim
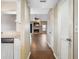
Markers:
point(55, 55)
point(28, 57)
point(49, 45)
point(9, 12)
point(52, 50)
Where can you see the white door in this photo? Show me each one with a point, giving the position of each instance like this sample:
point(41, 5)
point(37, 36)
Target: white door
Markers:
point(64, 29)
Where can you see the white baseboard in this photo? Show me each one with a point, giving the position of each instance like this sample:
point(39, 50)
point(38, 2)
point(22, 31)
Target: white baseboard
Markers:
point(55, 55)
point(28, 57)
point(52, 50)
point(49, 45)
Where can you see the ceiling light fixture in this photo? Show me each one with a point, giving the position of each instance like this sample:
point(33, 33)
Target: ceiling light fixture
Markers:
point(42, 0)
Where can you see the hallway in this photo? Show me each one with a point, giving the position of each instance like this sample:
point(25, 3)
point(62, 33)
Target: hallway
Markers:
point(39, 48)
point(39, 29)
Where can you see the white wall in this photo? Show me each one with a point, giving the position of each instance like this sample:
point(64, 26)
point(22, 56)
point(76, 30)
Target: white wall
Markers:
point(43, 17)
point(23, 26)
point(61, 13)
point(55, 48)
point(8, 22)
point(53, 31)
point(50, 29)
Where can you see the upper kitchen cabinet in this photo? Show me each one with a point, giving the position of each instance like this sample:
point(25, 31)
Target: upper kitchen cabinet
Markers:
point(8, 23)
point(8, 6)
point(8, 15)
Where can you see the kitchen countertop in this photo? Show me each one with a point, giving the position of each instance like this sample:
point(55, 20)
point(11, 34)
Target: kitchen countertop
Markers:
point(10, 34)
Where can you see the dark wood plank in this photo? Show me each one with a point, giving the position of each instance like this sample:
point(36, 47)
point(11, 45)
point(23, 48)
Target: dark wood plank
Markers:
point(39, 48)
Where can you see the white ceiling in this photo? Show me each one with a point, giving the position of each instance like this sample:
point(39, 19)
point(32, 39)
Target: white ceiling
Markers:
point(36, 7)
point(39, 11)
point(41, 7)
point(38, 4)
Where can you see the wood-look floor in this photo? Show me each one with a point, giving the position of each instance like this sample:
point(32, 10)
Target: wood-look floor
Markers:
point(39, 48)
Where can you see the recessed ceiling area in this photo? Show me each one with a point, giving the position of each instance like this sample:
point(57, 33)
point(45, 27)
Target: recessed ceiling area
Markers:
point(38, 4)
point(41, 6)
point(39, 11)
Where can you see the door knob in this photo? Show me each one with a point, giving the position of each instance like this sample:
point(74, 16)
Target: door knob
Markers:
point(68, 39)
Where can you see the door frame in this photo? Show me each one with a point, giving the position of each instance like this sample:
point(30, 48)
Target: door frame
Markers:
point(71, 2)
point(75, 29)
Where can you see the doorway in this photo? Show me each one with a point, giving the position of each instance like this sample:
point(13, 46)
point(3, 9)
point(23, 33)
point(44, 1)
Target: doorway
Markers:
point(59, 30)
